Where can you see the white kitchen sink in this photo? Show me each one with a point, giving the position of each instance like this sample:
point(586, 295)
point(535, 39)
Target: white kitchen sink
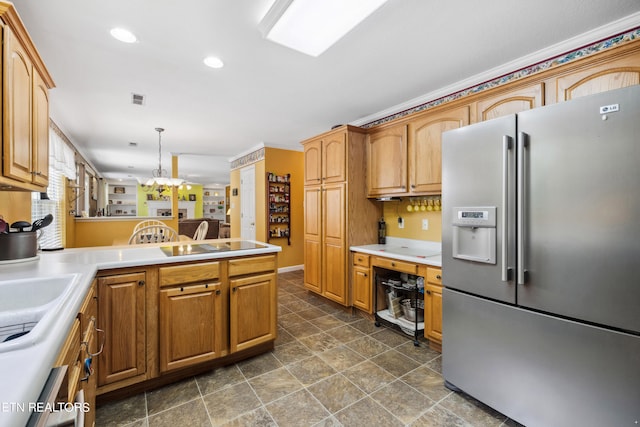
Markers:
point(29, 306)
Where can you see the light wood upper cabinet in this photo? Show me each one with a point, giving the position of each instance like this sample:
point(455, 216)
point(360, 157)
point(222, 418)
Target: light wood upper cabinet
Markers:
point(40, 136)
point(313, 163)
point(406, 159)
point(387, 161)
point(325, 160)
point(425, 148)
point(607, 76)
point(121, 315)
point(25, 116)
point(334, 161)
point(511, 102)
point(18, 72)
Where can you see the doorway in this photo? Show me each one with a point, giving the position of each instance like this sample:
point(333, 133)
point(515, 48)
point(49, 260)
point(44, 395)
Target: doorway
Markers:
point(248, 203)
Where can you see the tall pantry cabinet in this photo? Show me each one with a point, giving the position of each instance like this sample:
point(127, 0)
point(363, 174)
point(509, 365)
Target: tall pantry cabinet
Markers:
point(337, 213)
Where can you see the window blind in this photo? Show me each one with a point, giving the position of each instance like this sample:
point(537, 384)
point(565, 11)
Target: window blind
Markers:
point(61, 166)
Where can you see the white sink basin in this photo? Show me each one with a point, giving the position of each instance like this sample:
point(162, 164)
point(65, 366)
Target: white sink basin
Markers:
point(29, 306)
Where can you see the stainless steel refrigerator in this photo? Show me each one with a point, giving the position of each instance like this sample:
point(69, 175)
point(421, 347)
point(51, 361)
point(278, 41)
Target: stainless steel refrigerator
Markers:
point(541, 262)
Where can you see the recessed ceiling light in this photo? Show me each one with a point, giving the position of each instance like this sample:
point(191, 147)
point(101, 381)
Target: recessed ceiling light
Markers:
point(213, 62)
point(123, 35)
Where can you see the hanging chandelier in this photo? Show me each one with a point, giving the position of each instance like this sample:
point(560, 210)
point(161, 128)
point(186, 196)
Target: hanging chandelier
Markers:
point(160, 179)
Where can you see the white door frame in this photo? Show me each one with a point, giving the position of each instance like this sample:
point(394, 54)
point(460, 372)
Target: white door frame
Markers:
point(248, 203)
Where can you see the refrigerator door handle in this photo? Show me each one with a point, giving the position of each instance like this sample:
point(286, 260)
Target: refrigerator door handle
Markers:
point(507, 144)
point(523, 143)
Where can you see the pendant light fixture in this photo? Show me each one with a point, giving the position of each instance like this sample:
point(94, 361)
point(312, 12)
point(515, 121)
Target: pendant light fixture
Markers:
point(160, 179)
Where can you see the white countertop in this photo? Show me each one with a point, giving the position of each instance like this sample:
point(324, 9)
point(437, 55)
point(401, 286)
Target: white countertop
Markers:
point(417, 251)
point(23, 372)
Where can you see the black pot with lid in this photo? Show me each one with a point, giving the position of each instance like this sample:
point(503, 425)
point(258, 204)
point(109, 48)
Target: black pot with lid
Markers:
point(18, 245)
point(20, 241)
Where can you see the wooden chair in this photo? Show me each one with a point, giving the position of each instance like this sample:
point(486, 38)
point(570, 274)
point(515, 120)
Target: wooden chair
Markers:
point(201, 231)
point(147, 223)
point(153, 234)
point(224, 230)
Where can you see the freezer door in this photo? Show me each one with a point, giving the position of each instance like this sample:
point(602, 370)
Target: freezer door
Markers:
point(580, 181)
point(537, 369)
point(478, 213)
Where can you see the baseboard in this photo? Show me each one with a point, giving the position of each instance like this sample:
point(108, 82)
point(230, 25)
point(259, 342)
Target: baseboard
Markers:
point(291, 268)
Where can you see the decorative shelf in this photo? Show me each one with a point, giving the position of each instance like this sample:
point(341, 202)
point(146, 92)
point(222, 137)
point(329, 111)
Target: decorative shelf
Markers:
point(279, 207)
point(123, 199)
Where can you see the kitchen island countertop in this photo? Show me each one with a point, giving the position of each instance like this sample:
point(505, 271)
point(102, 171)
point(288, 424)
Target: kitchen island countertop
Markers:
point(24, 371)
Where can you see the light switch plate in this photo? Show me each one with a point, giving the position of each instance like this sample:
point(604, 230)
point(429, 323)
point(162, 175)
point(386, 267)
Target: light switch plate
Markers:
point(400, 222)
point(425, 224)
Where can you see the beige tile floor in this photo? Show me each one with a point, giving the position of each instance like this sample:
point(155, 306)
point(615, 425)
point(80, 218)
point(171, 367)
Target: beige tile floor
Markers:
point(328, 368)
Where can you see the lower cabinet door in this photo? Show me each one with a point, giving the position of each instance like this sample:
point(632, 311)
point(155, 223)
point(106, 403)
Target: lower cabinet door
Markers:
point(361, 288)
point(121, 315)
point(252, 311)
point(433, 313)
point(190, 325)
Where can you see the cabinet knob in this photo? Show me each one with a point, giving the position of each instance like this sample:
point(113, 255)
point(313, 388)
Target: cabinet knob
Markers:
point(413, 186)
point(217, 291)
point(393, 264)
point(181, 289)
point(428, 292)
point(439, 277)
point(141, 283)
point(234, 289)
point(365, 274)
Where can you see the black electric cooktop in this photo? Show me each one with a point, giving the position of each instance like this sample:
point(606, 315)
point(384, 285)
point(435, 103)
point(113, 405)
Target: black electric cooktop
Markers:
point(188, 248)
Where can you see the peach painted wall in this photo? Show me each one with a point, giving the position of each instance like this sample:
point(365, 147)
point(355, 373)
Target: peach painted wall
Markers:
point(282, 162)
point(15, 206)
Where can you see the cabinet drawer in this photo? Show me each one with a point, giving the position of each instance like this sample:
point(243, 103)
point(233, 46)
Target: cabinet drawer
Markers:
point(259, 264)
point(69, 356)
point(179, 274)
point(71, 348)
point(434, 276)
point(360, 259)
point(392, 264)
point(89, 310)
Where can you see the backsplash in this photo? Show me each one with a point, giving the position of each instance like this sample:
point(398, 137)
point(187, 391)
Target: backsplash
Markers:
point(412, 221)
point(15, 206)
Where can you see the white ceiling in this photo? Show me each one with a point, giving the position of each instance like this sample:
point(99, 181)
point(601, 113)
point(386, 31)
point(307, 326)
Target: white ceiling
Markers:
point(267, 93)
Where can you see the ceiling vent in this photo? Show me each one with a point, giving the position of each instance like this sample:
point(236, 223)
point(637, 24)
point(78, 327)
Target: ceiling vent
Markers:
point(137, 99)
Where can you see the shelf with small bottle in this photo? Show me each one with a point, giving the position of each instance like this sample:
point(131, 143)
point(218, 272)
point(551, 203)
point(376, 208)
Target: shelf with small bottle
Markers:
point(279, 206)
point(122, 198)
